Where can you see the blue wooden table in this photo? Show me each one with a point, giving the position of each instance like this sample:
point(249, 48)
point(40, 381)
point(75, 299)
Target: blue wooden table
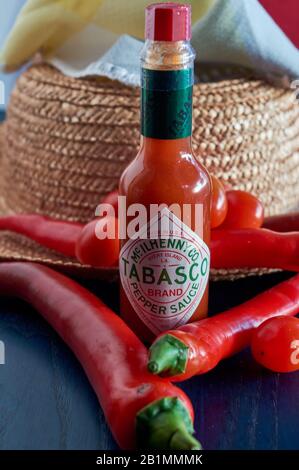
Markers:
point(47, 402)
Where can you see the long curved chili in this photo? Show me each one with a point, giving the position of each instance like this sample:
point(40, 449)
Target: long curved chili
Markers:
point(254, 248)
point(140, 409)
point(283, 222)
point(198, 347)
point(57, 235)
point(230, 248)
point(71, 239)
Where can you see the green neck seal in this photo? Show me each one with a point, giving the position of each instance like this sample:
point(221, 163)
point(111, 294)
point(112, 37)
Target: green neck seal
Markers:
point(165, 424)
point(166, 103)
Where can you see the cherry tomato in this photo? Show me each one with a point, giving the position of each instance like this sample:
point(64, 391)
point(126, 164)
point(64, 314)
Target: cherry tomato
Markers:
point(219, 203)
point(244, 210)
point(275, 344)
point(112, 198)
point(99, 252)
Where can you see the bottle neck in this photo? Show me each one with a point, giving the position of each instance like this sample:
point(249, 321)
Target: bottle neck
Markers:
point(162, 148)
point(167, 78)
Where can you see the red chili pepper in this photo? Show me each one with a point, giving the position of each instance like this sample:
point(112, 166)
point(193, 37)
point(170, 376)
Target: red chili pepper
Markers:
point(140, 409)
point(254, 248)
point(68, 238)
point(283, 222)
point(198, 347)
point(57, 235)
point(243, 248)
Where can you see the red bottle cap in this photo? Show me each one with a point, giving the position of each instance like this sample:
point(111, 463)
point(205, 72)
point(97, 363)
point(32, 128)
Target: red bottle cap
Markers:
point(168, 22)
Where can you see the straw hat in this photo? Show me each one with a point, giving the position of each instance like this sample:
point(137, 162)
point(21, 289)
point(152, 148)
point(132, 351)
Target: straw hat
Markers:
point(66, 142)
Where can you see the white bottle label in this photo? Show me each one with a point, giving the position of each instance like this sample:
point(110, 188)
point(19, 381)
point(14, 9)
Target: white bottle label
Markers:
point(165, 276)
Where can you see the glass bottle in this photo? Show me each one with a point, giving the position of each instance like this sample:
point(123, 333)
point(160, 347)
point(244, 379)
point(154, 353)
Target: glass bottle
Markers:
point(164, 278)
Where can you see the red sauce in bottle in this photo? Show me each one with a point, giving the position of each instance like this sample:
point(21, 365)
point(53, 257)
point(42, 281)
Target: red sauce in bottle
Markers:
point(165, 275)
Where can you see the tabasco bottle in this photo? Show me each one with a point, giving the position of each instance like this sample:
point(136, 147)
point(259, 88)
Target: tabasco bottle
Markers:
point(164, 269)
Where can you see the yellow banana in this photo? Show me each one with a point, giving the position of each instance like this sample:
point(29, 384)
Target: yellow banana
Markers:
point(44, 25)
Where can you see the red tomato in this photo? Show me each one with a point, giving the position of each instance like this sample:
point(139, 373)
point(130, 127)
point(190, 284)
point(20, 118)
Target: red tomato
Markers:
point(112, 198)
point(219, 203)
point(244, 210)
point(275, 344)
point(93, 251)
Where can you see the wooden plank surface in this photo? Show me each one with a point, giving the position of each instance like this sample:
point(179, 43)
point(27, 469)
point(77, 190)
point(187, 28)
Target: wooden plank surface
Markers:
point(47, 402)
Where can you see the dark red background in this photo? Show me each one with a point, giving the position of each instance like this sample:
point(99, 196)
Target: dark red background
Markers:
point(286, 15)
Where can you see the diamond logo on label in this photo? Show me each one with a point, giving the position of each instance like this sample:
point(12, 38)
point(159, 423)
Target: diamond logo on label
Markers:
point(164, 271)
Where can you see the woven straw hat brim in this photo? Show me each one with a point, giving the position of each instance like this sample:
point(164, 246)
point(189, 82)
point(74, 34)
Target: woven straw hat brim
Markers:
point(67, 142)
point(15, 247)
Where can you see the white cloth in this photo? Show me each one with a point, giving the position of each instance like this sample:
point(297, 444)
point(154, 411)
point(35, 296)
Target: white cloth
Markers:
point(237, 32)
